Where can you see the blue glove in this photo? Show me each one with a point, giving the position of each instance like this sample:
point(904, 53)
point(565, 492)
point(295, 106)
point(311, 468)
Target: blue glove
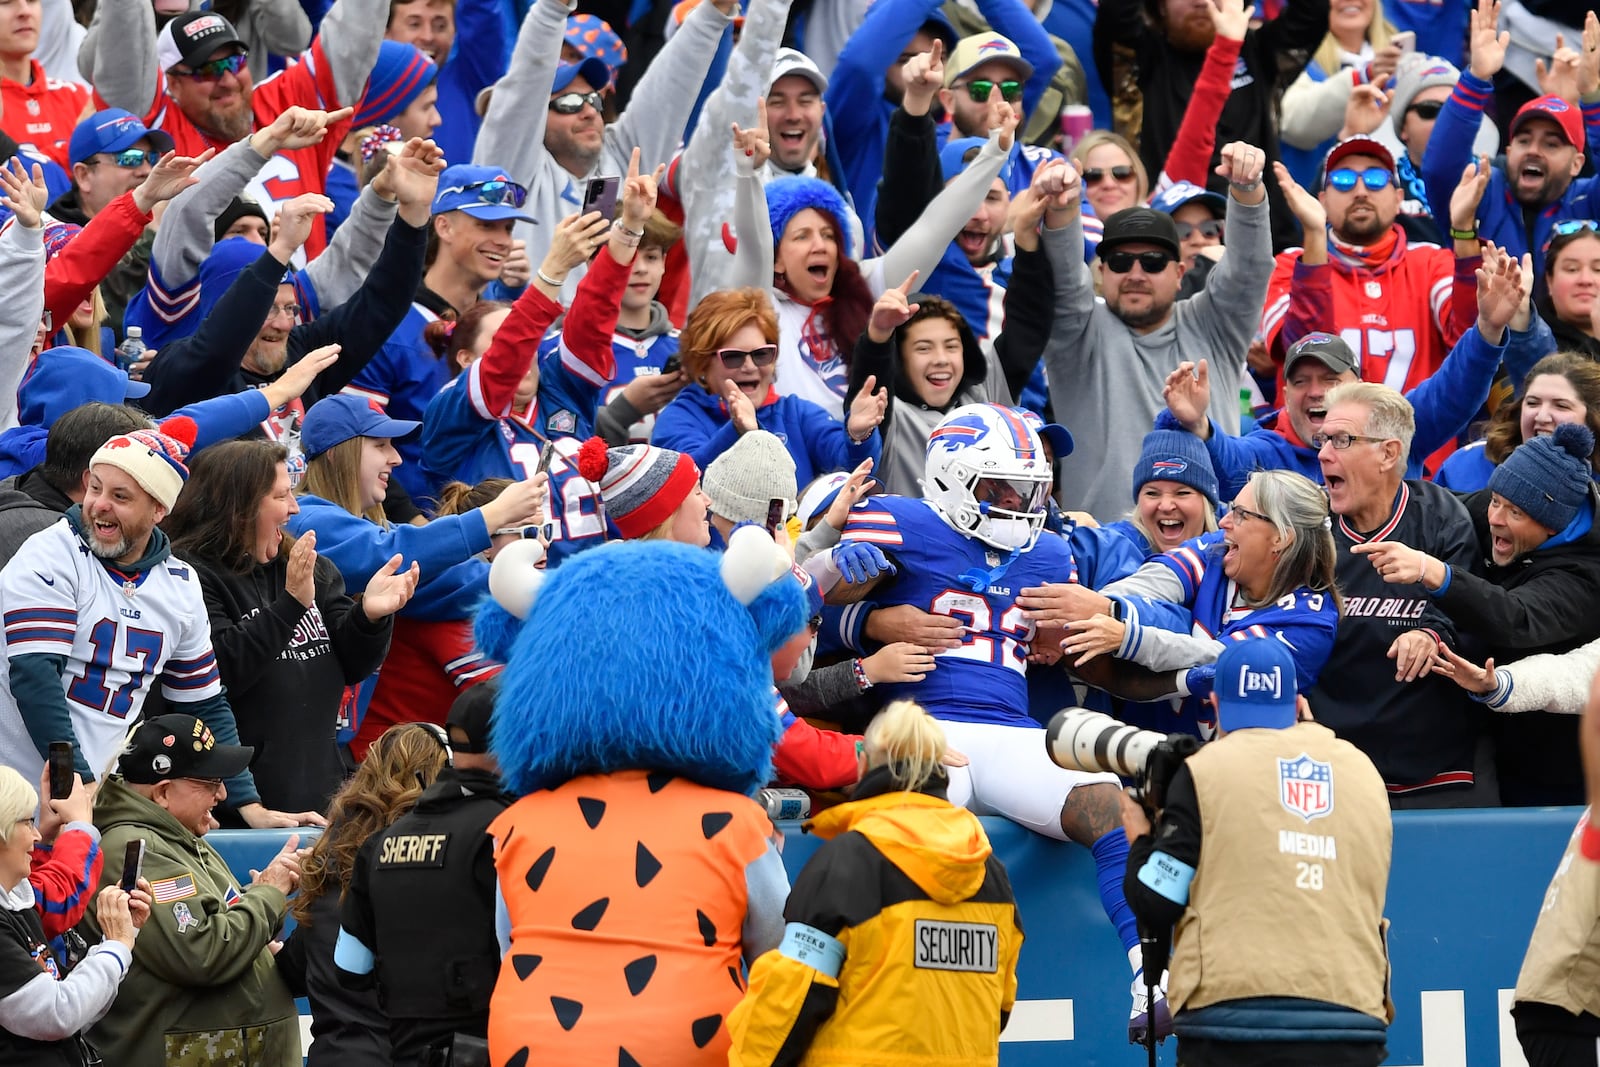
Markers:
point(858, 561)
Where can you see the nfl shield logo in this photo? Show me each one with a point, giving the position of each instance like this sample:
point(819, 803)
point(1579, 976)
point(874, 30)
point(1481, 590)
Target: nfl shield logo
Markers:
point(1305, 786)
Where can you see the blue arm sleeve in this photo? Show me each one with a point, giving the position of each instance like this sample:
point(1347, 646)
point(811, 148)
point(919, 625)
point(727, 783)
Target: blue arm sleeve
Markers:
point(855, 88)
point(36, 687)
point(222, 418)
point(1012, 19)
point(1524, 348)
point(1450, 148)
point(1446, 401)
point(1233, 458)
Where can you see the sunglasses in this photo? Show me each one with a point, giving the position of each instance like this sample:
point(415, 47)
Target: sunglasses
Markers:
point(210, 72)
point(1571, 226)
point(1010, 91)
point(1427, 109)
point(1094, 174)
point(129, 158)
point(1211, 228)
point(733, 358)
point(497, 191)
point(1344, 179)
point(1122, 262)
point(572, 103)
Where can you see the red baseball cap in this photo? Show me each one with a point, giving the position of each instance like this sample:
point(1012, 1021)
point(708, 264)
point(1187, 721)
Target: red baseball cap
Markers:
point(1563, 114)
point(1359, 146)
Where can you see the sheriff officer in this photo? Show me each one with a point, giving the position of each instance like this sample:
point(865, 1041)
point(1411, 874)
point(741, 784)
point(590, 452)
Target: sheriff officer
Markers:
point(1272, 859)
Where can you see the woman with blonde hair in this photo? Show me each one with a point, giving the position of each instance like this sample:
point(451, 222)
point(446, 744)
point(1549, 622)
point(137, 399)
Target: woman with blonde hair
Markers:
point(1358, 50)
point(1113, 175)
point(910, 869)
point(42, 1013)
point(348, 1026)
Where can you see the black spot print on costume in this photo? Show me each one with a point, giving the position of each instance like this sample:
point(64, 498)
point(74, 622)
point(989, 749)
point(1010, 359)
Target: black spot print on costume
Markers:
point(540, 868)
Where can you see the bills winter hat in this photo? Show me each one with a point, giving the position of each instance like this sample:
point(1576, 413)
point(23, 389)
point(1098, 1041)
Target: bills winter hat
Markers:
point(641, 485)
point(398, 78)
point(1549, 477)
point(745, 478)
point(153, 458)
point(1175, 456)
point(787, 197)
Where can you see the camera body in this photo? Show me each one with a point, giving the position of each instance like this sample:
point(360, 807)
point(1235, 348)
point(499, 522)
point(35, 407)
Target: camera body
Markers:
point(1083, 740)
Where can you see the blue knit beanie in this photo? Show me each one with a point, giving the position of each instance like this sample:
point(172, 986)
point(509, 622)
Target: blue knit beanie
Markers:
point(787, 197)
point(398, 77)
point(1175, 456)
point(1548, 478)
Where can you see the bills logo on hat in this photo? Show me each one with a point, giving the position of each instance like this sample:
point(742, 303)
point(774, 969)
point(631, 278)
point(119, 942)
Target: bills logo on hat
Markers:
point(1169, 466)
point(995, 46)
point(1305, 786)
point(1555, 105)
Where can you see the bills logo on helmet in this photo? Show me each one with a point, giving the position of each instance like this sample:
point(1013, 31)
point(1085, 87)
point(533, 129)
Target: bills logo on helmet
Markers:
point(1305, 786)
point(958, 432)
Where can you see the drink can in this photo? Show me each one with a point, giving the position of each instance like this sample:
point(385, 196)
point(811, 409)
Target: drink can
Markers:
point(1076, 122)
point(785, 803)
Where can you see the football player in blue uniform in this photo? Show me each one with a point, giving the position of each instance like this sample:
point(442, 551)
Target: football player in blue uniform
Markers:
point(966, 550)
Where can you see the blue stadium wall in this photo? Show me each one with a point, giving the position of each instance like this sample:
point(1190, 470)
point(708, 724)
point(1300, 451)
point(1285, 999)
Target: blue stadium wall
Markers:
point(1463, 895)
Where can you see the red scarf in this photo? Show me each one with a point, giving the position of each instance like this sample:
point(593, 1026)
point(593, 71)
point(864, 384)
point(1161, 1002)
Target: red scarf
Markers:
point(1370, 256)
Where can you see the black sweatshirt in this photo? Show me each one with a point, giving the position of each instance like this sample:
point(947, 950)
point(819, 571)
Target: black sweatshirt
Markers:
point(206, 363)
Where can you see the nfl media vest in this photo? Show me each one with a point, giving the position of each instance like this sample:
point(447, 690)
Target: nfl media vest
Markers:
point(1287, 899)
point(1562, 966)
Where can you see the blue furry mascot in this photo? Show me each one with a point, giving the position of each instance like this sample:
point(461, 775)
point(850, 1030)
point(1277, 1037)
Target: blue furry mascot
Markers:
point(636, 719)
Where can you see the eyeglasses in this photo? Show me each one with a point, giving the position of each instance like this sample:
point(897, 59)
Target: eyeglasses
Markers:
point(1010, 91)
point(1093, 175)
point(572, 103)
point(128, 158)
point(1211, 228)
point(1344, 179)
point(1427, 110)
point(1122, 262)
point(210, 784)
point(733, 358)
point(212, 71)
point(291, 310)
point(497, 191)
point(1342, 441)
point(1245, 513)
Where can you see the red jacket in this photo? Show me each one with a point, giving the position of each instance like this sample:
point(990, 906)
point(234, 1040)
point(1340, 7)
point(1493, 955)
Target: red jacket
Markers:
point(43, 112)
point(64, 876)
point(90, 256)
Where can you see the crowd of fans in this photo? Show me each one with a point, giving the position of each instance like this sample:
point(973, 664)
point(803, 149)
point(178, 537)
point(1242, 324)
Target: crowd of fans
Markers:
point(410, 283)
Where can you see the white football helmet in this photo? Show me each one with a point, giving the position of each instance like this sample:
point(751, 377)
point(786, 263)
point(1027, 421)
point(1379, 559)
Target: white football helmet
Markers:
point(987, 475)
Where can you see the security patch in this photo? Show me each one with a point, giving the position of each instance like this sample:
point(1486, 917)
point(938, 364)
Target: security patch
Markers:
point(943, 946)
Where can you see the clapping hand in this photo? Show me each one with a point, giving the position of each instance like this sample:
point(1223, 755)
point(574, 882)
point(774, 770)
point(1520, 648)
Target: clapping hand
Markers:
point(25, 194)
point(390, 589)
point(866, 409)
point(1486, 48)
point(1188, 395)
point(1365, 110)
point(171, 175)
point(1502, 290)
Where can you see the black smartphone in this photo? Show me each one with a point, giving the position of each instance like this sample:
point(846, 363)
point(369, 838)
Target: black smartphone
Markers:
point(601, 195)
point(60, 770)
point(673, 365)
point(132, 866)
point(775, 509)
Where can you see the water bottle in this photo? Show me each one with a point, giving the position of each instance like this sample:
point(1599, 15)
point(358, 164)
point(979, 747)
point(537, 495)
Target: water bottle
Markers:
point(785, 803)
point(132, 349)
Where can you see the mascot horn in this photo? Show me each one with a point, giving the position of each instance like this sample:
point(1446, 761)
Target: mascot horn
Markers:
point(635, 718)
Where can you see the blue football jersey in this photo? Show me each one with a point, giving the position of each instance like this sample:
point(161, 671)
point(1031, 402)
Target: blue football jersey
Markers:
point(945, 573)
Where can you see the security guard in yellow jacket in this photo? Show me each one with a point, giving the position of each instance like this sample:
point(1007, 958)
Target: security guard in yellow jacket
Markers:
point(1557, 1002)
point(902, 935)
point(1272, 859)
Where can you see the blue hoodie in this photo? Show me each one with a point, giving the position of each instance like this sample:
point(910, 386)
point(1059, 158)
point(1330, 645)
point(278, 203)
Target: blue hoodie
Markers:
point(227, 261)
point(697, 423)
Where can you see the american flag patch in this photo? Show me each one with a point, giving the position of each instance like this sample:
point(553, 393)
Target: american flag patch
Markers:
point(232, 896)
point(170, 889)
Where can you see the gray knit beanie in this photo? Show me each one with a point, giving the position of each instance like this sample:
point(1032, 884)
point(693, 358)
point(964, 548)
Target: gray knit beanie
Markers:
point(742, 480)
point(1548, 478)
point(1416, 74)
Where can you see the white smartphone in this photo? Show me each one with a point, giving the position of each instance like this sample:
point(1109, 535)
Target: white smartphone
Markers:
point(1406, 41)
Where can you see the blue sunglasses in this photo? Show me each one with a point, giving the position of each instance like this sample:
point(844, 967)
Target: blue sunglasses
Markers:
point(1374, 178)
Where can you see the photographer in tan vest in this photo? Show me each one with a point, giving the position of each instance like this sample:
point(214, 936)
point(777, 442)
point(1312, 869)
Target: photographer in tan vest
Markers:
point(1557, 1002)
point(1271, 857)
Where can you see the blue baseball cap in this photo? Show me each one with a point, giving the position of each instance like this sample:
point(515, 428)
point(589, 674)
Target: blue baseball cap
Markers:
point(593, 69)
point(953, 158)
point(333, 420)
point(1178, 194)
point(1054, 433)
point(113, 130)
point(64, 377)
point(1256, 685)
point(486, 193)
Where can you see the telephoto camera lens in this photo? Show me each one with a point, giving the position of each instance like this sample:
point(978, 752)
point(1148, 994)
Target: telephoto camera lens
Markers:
point(1083, 740)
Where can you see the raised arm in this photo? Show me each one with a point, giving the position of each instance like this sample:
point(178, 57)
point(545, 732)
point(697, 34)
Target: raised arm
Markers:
point(660, 105)
point(280, 25)
point(350, 35)
point(119, 57)
point(512, 134)
point(22, 265)
point(1017, 22)
point(1189, 158)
